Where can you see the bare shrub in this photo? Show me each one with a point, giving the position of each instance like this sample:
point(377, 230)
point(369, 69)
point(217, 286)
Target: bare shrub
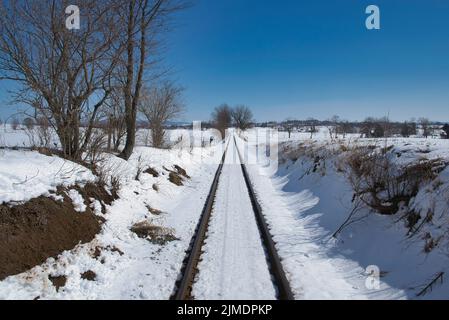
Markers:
point(160, 105)
point(95, 147)
point(115, 114)
point(381, 183)
point(110, 176)
point(28, 123)
point(43, 131)
point(155, 234)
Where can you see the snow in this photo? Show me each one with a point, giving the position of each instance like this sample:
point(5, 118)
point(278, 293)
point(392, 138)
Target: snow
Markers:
point(233, 263)
point(77, 201)
point(303, 208)
point(27, 175)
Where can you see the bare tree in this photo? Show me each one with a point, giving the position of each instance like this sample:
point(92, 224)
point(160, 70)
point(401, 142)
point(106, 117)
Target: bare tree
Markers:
point(334, 123)
point(160, 105)
point(243, 117)
point(222, 119)
point(144, 22)
point(15, 123)
point(345, 127)
point(64, 73)
point(425, 126)
point(311, 126)
point(288, 125)
point(115, 119)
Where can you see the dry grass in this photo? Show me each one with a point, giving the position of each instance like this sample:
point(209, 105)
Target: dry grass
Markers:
point(383, 184)
point(155, 234)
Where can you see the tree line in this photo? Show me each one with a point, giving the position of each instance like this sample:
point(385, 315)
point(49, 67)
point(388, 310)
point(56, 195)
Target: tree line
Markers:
point(371, 127)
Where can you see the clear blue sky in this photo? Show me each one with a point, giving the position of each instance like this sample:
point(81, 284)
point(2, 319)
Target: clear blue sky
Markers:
point(313, 58)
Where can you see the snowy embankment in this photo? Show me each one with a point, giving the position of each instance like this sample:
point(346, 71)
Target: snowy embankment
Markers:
point(26, 175)
point(118, 264)
point(308, 197)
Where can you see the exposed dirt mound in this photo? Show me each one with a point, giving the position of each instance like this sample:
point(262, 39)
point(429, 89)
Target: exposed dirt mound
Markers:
point(42, 228)
point(92, 191)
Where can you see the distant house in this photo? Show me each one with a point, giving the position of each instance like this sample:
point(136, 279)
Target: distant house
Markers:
point(445, 132)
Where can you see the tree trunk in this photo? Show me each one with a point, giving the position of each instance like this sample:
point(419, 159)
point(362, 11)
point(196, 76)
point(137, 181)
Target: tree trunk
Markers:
point(157, 133)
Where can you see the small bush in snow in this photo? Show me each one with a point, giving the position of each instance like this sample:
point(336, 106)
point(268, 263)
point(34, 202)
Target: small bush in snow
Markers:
point(383, 184)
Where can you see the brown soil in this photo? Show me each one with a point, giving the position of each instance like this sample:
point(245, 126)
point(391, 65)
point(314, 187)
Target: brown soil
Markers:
point(89, 275)
point(58, 282)
point(91, 190)
point(42, 228)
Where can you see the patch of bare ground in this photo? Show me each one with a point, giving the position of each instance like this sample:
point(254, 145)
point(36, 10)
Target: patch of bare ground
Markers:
point(98, 250)
point(177, 176)
point(89, 275)
point(58, 282)
point(155, 234)
point(44, 227)
point(93, 191)
point(152, 172)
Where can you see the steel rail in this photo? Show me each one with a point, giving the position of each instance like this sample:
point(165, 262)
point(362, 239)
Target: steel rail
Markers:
point(183, 288)
point(273, 259)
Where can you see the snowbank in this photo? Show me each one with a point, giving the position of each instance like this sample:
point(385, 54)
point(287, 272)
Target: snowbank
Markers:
point(26, 175)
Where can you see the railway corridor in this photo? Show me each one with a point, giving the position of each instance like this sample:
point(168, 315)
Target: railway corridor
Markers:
point(233, 264)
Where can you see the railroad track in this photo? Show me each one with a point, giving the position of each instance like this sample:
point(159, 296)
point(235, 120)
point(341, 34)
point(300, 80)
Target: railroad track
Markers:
point(183, 289)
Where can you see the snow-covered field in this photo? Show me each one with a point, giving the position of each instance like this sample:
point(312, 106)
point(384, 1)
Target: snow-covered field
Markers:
point(305, 200)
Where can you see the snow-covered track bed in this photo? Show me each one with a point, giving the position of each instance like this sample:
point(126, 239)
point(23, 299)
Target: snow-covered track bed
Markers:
point(232, 255)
